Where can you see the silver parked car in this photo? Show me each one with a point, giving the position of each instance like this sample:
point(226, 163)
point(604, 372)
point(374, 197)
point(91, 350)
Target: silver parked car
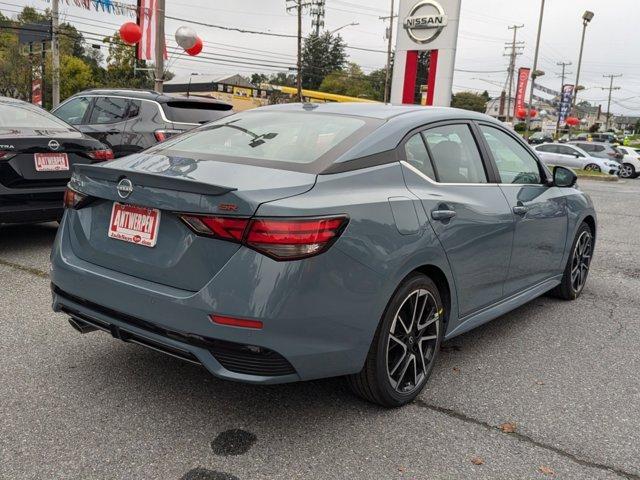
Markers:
point(567, 155)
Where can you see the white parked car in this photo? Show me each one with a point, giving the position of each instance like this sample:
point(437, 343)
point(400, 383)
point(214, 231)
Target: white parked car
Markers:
point(567, 155)
point(630, 167)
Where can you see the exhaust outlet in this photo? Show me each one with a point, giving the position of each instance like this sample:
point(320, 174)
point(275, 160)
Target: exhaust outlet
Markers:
point(81, 326)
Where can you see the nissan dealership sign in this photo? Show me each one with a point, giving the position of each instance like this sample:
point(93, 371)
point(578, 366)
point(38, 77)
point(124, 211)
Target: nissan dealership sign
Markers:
point(425, 21)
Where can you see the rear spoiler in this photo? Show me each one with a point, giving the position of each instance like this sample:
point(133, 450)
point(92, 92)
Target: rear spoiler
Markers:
point(166, 182)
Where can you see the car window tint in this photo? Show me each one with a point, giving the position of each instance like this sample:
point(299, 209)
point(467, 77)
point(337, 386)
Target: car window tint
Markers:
point(417, 155)
point(73, 111)
point(515, 164)
point(455, 154)
point(545, 148)
point(109, 110)
point(133, 109)
point(195, 112)
point(564, 150)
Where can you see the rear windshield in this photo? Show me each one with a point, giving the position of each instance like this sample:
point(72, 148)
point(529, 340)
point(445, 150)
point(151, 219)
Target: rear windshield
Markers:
point(24, 115)
point(268, 137)
point(195, 112)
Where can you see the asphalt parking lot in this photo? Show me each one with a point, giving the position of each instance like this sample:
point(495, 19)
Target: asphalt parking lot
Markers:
point(565, 375)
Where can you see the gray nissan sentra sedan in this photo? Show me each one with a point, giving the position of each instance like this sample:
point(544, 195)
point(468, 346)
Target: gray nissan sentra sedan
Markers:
point(296, 242)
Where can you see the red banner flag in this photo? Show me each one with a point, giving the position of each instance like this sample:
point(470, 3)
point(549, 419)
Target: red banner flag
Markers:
point(147, 11)
point(521, 90)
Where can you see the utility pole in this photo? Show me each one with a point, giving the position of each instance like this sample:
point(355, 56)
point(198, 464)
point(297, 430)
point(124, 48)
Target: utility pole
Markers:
point(160, 45)
point(389, 35)
point(317, 12)
point(298, 6)
point(515, 50)
point(534, 71)
point(564, 65)
point(55, 55)
point(611, 88)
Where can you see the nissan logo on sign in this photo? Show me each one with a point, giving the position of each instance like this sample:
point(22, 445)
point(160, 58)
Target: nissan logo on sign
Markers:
point(425, 21)
point(124, 188)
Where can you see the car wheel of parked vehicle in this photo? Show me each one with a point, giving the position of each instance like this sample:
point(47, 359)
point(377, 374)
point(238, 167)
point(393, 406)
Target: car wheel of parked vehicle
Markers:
point(577, 269)
point(627, 171)
point(592, 167)
point(405, 346)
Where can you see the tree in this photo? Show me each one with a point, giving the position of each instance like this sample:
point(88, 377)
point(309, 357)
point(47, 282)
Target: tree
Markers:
point(321, 55)
point(77, 75)
point(351, 81)
point(469, 101)
point(120, 71)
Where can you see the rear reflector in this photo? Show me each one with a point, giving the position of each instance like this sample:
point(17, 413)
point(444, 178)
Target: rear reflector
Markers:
point(162, 135)
point(101, 155)
point(236, 322)
point(278, 238)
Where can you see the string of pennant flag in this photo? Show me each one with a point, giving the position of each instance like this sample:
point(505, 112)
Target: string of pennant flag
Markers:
point(110, 6)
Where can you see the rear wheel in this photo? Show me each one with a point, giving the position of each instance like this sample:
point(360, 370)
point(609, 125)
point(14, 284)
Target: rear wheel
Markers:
point(577, 268)
point(627, 171)
point(592, 167)
point(405, 346)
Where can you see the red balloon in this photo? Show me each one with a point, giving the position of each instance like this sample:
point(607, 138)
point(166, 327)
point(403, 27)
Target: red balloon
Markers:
point(130, 33)
point(572, 121)
point(521, 113)
point(196, 49)
point(533, 113)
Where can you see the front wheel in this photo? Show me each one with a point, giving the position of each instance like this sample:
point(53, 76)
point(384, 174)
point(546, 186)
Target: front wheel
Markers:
point(592, 167)
point(405, 346)
point(577, 268)
point(627, 171)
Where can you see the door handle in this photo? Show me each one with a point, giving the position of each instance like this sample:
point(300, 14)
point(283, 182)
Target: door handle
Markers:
point(520, 209)
point(442, 215)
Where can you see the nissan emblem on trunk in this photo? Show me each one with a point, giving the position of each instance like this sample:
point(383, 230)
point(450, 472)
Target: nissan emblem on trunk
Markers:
point(125, 187)
point(54, 144)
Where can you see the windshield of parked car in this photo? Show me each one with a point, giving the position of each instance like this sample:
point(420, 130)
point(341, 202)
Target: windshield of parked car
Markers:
point(273, 136)
point(23, 115)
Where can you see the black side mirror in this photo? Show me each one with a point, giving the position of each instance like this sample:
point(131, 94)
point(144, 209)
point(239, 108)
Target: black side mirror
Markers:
point(564, 177)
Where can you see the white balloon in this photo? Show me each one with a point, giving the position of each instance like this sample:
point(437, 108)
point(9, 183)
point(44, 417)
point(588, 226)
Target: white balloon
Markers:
point(186, 37)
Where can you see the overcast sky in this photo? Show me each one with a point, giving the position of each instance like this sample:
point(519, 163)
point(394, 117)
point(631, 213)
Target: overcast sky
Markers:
point(612, 42)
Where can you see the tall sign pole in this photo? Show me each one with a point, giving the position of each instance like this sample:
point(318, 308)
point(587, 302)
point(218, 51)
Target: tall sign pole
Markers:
point(160, 45)
point(55, 54)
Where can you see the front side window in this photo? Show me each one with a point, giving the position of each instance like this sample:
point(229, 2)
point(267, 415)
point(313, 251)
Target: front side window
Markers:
point(514, 162)
point(455, 154)
point(268, 136)
point(416, 154)
point(73, 111)
point(546, 148)
point(109, 110)
point(564, 150)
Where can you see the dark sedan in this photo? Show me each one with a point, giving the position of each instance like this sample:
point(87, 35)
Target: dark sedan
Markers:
point(37, 153)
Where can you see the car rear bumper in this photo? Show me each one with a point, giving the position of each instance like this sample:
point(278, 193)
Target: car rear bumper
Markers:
point(317, 323)
point(15, 210)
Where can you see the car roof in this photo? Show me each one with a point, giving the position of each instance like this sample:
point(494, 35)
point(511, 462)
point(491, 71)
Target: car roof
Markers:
point(9, 100)
point(147, 95)
point(396, 121)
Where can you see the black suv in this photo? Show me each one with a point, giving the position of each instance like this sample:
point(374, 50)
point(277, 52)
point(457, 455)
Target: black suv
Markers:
point(132, 120)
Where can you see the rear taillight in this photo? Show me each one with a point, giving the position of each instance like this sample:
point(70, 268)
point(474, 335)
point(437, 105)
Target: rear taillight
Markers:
point(6, 155)
point(278, 238)
point(73, 199)
point(101, 155)
point(162, 135)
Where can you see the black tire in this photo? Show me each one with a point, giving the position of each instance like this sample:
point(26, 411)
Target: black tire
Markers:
point(569, 289)
point(375, 382)
point(627, 171)
point(592, 167)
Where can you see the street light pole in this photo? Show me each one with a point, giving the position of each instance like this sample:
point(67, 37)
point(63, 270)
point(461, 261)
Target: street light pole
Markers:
point(534, 73)
point(587, 16)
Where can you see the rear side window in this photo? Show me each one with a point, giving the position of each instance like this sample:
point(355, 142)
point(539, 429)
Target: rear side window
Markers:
point(195, 112)
point(416, 154)
point(268, 136)
point(563, 150)
point(546, 148)
point(109, 110)
point(455, 154)
point(73, 111)
point(514, 162)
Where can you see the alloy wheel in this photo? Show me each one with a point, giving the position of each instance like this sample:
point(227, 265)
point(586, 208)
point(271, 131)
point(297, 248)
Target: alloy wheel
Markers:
point(581, 261)
point(626, 170)
point(413, 338)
